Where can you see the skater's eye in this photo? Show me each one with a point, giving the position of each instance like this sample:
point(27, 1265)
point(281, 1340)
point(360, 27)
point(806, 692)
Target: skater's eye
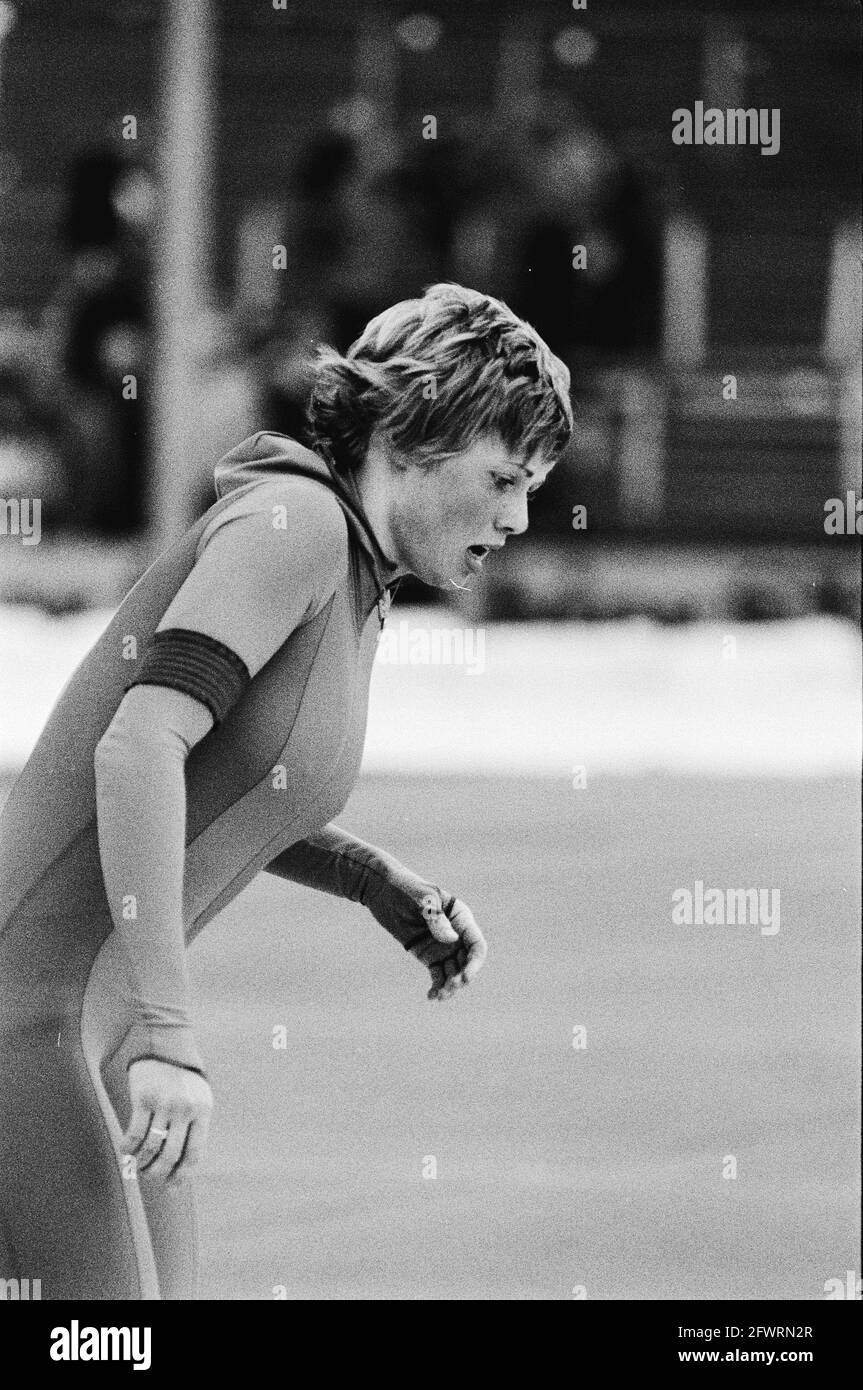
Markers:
point(503, 483)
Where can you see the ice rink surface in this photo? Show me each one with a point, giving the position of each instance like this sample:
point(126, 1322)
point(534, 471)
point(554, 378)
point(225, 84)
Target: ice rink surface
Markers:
point(557, 1167)
point(599, 1167)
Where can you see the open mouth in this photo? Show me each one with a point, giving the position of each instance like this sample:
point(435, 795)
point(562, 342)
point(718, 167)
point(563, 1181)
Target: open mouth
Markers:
point(475, 555)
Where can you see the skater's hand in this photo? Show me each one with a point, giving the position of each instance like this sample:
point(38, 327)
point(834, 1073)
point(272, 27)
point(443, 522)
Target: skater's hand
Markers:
point(171, 1109)
point(454, 950)
point(430, 924)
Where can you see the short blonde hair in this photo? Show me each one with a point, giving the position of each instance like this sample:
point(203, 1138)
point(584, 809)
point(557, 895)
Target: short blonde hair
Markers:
point(435, 374)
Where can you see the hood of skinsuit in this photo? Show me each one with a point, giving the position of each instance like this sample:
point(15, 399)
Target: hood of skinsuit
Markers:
point(267, 454)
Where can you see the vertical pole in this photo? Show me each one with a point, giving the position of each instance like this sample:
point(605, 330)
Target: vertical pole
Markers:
point(850, 427)
point(840, 344)
point(843, 310)
point(686, 292)
point(7, 24)
point(181, 263)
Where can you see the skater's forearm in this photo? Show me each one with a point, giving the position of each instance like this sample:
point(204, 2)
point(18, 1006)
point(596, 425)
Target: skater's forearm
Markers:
point(141, 822)
point(334, 861)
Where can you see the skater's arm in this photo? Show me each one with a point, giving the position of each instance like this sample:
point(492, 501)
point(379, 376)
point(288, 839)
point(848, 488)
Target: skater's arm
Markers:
point(334, 861)
point(435, 926)
point(141, 822)
point(251, 587)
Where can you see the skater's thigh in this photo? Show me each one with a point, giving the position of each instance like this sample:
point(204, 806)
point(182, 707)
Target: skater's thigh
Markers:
point(67, 1216)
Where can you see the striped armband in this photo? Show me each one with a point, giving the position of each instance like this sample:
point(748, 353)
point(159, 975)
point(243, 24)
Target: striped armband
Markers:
point(196, 664)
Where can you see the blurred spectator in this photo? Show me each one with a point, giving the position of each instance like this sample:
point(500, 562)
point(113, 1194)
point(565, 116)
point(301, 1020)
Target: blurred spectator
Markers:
point(396, 225)
point(585, 195)
point(32, 442)
point(99, 322)
point(369, 222)
point(537, 194)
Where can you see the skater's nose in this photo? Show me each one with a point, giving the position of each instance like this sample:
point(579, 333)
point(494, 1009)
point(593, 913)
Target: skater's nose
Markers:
point(512, 518)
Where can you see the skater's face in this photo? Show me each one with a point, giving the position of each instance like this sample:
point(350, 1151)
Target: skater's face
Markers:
point(446, 517)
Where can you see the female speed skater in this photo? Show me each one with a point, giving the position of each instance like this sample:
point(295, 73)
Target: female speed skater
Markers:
point(213, 731)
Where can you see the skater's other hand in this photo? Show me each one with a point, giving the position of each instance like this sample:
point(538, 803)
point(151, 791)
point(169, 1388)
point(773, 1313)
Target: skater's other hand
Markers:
point(171, 1109)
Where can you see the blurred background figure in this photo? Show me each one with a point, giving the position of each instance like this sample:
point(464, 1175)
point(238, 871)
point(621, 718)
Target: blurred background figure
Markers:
point(561, 224)
point(35, 441)
point(589, 207)
point(368, 223)
point(99, 318)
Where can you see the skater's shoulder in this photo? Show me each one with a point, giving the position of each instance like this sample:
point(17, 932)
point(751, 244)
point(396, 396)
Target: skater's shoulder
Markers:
point(269, 509)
